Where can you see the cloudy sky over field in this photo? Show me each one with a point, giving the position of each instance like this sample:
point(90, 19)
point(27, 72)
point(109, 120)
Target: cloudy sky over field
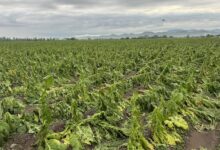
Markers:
point(64, 18)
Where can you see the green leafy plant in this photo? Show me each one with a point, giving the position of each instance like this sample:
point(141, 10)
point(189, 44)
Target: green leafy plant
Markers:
point(45, 113)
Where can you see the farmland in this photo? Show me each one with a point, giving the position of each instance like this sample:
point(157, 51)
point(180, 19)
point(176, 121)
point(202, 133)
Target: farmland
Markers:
point(107, 94)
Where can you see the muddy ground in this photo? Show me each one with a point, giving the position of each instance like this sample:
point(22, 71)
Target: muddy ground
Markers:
point(194, 141)
point(206, 139)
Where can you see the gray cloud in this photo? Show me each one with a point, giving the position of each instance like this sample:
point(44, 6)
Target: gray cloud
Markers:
point(105, 3)
point(45, 18)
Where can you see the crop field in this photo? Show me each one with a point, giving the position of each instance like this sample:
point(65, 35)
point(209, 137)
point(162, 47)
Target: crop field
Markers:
point(134, 94)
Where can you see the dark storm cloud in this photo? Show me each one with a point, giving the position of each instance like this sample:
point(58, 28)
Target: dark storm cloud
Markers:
point(62, 18)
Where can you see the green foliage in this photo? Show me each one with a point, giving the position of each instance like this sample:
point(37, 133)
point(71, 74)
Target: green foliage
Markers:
point(109, 94)
point(11, 105)
point(75, 143)
point(136, 137)
point(4, 132)
point(177, 121)
point(45, 113)
point(54, 144)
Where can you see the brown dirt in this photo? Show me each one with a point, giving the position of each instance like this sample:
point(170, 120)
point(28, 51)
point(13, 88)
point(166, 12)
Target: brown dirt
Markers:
point(31, 109)
point(21, 142)
point(74, 80)
point(128, 95)
point(58, 126)
point(139, 89)
point(89, 113)
point(206, 139)
point(20, 97)
point(130, 74)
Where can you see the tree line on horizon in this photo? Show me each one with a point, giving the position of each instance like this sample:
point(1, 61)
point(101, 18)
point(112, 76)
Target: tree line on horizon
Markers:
point(73, 38)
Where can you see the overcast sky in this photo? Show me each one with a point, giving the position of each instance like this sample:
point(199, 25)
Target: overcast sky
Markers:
point(66, 18)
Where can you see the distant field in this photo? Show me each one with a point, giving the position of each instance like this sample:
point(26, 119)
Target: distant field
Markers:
point(108, 94)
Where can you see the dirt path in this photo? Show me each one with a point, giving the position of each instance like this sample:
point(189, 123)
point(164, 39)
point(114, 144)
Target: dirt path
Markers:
point(207, 139)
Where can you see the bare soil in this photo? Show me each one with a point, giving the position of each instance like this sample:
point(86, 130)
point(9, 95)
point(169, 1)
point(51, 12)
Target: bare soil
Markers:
point(139, 89)
point(58, 126)
point(89, 113)
point(21, 142)
point(206, 139)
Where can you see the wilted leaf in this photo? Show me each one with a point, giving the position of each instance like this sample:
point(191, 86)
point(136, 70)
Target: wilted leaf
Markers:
point(54, 144)
point(179, 122)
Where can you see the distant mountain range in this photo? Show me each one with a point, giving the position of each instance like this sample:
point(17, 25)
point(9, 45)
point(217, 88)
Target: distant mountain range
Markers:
point(173, 33)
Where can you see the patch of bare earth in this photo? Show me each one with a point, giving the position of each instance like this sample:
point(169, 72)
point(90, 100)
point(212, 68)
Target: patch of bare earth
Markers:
point(31, 109)
point(21, 142)
point(139, 89)
point(206, 139)
point(58, 126)
point(89, 113)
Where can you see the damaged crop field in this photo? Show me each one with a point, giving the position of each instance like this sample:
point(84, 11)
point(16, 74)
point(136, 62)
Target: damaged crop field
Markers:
point(135, 94)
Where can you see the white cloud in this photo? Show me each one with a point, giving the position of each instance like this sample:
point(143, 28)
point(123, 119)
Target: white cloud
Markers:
point(24, 18)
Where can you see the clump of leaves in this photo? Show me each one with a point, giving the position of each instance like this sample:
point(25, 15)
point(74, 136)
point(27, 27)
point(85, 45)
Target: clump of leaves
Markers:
point(54, 144)
point(11, 105)
point(177, 121)
point(45, 113)
point(4, 132)
point(136, 137)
